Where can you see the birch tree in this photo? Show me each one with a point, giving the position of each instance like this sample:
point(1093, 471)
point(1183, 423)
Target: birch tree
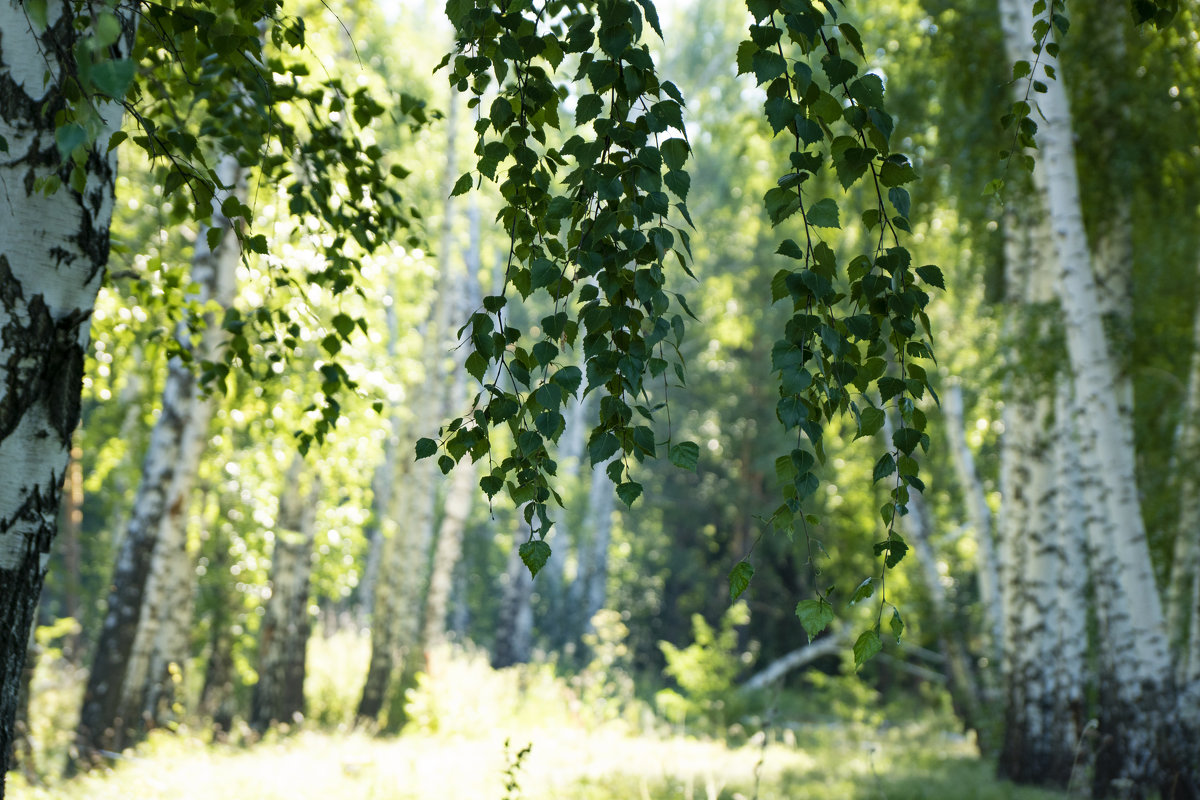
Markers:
point(1151, 747)
point(53, 249)
point(137, 644)
point(283, 638)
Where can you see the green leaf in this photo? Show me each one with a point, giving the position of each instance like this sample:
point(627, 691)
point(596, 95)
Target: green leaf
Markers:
point(68, 137)
point(897, 624)
point(932, 275)
point(113, 77)
point(462, 185)
point(739, 578)
point(824, 214)
point(864, 591)
point(629, 492)
point(869, 421)
point(491, 485)
point(685, 455)
point(588, 108)
point(906, 439)
point(884, 467)
point(425, 448)
point(867, 646)
point(815, 615)
point(535, 554)
point(768, 65)
point(344, 325)
point(674, 152)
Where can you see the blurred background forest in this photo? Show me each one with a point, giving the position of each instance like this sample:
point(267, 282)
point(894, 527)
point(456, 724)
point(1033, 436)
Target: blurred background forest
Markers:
point(300, 605)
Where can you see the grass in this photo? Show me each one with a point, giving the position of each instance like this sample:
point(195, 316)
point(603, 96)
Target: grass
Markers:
point(843, 761)
point(467, 722)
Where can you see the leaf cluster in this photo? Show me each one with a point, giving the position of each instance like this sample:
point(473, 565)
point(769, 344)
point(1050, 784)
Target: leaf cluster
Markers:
point(590, 218)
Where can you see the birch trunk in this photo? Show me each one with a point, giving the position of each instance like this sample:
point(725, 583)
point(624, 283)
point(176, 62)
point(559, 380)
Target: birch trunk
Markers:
point(161, 646)
point(71, 522)
point(283, 639)
point(216, 695)
point(53, 250)
point(1183, 595)
point(1148, 747)
point(514, 631)
point(960, 673)
point(463, 289)
point(133, 661)
point(1038, 742)
point(980, 516)
point(593, 549)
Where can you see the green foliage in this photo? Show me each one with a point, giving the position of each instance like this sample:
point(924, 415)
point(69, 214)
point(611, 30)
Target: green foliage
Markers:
point(705, 670)
point(591, 226)
point(849, 320)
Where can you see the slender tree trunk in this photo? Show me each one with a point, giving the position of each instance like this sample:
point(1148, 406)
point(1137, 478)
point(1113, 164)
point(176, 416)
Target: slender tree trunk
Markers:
point(1148, 746)
point(514, 632)
point(286, 626)
point(1183, 591)
point(53, 250)
point(134, 652)
point(986, 563)
point(217, 694)
point(593, 550)
point(72, 520)
point(462, 287)
point(960, 672)
point(1038, 744)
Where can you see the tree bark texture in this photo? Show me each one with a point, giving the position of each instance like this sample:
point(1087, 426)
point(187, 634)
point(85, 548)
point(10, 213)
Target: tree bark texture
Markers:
point(53, 250)
point(283, 639)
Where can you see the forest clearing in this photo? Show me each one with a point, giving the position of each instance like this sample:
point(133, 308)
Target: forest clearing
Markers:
point(467, 730)
point(600, 398)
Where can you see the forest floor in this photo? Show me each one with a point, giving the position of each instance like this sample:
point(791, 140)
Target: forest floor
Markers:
point(837, 761)
point(589, 738)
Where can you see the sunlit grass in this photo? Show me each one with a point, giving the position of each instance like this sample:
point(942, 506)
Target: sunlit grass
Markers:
point(467, 722)
point(830, 762)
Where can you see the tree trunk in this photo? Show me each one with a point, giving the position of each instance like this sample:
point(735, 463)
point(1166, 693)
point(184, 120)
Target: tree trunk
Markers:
point(149, 604)
point(964, 688)
point(593, 549)
point(53, 250)
point(1148, 746)
point(462, 287)
point(395, 617)
point(217, 694)
point(514, 631)
point(71, 521)
point(283, 639)
point(987, 567)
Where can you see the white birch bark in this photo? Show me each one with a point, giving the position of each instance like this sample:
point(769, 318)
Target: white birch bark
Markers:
point(980, 516)
point(917, 528)
point(593, 549)
point(1139, 710)
point(53, 250)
